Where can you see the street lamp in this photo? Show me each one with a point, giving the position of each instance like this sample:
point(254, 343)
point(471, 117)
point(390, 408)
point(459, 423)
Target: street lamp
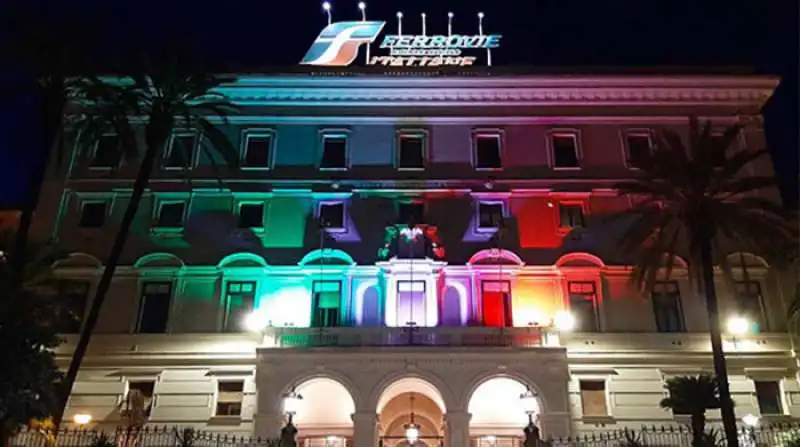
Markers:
point(291, 403)
point(412, 429)
point(326, 6)
point(751, 422)
point(529, 406)
point(738, 325)
point(82, 419)
point(564, 321)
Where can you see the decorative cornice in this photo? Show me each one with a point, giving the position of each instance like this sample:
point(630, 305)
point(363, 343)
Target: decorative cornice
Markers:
point(735, 91)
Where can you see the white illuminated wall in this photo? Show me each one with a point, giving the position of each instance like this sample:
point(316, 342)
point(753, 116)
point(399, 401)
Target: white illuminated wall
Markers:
point(496, 404)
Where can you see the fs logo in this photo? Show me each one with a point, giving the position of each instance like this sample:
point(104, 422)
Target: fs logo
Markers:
point(338, 43)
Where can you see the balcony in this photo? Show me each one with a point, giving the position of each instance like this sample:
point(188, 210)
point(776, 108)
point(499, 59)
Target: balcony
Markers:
point(526, 337)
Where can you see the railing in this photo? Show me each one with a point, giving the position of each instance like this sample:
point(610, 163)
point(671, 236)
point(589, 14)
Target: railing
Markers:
point(780, 435)
point(532, 337)
point(149, 436)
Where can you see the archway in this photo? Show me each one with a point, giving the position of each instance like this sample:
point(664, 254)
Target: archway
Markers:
point(498, 410)
point(325, 410)
point(411, 400)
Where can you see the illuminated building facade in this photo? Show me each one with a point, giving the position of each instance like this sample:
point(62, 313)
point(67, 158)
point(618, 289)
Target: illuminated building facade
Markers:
point(407, 249)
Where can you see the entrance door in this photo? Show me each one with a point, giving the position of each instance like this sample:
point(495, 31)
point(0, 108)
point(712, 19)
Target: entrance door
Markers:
point(496, 302)
point(411, 303)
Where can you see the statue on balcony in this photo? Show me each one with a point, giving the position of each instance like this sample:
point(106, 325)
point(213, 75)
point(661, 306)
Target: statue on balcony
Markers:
point(412, 241)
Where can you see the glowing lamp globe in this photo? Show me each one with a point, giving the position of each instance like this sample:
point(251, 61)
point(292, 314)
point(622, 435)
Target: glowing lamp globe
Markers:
point(326, 6)
point(564, 321)
point(82, 419)
point(412, 433)
point(750, 420)
point(256, 321)
point(738, 325)
point(291, 403)
point(362, 6)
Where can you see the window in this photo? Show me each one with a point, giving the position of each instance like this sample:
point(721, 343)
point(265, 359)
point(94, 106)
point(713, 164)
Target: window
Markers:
point(331, 215)
point(750, 303)
point(593, 398)
point(583, 305)
point(93, 214)
point(107, 152)
point(334, 152)
point(411, 151)
point(638, 147)
point(154, 307)
point(251, 215)
point(171, 214)
point(667, 307)
point(487, 152)
point(570, 216)
point(239, 301)
point(144, 388)
point(496, 304)
point(410, 213)
point(181, 152)
point(490, 215)
point(327, 298)
point(73, 296)
point(565, 150)
point(230, 394)
point(768, 395)
point(257, 151)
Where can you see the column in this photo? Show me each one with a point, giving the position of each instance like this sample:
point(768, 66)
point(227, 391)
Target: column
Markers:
point(268, 425)
point(554, 425)
point(457, 428)
point(365, 429)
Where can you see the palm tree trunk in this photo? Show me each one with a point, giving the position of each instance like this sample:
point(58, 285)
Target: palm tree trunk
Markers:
point(105, 281)
point(698, 423)
point(720, 367)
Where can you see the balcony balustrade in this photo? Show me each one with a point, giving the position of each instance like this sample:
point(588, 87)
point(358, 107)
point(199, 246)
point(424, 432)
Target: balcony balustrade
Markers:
point(525, 337)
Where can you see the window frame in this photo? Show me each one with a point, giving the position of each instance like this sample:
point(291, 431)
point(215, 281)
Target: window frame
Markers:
point(62, 284)
point(318, 214)
point(109, 204)
point(575, 134)
point(215, 406)
point(607, 396)
point(635, 132)
point(583, 204)
point(239, 204)
point(171, 146)
point(760, 297)
point(332, 134)
point(159, 204)
point(137, 328)
point(95, 146)
point(424, 134)
point(315, 303)
point(679, 299)
point(497, 134)
point(247, 134)
point(780, 397)
point(226, 284)
point(595, 300)
point(478, 204)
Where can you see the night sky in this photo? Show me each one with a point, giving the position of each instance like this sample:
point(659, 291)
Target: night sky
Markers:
point(262, 33)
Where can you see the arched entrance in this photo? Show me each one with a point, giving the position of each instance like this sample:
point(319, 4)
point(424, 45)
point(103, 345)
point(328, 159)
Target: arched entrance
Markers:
point(323, 413)
point(411, 402)
point(500, 407)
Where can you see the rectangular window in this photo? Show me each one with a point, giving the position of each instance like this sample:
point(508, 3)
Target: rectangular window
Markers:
point(570, 216)
point(487, 151)
point(639, 146)
point(565, 150)
point(73, 296)
point(239, 302)
point(750, 303)
point(257, 151)
point(230, 394)
point(593, 398)
point(768, 395)
point(107, 152)
point(251, 215)
point(93, 214)
point(490, 215)
point(181, 152)
point(331, 215)
point(171, 214)
point(145, 388)
point(154, 307)
point(410, 213)
point(327, 299)
point(334, 152)
point(411, 151)
point(583, 305)
point(667, 307)
point(496, 304)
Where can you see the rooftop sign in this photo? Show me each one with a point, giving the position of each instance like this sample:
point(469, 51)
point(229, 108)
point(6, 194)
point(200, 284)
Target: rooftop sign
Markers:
point(338, 44)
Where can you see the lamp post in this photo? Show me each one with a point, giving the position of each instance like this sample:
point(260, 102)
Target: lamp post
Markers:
point(399, 23)
point(450, 24)
point(362, 6)
point(529, 405)
point(738, 326)
point(412, 429)
point(750, 423)
point(326, 6)
point(291, 403)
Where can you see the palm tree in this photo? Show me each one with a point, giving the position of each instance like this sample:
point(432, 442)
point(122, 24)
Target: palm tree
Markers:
point(167, 96)
point(692, 396)
point(699, 200)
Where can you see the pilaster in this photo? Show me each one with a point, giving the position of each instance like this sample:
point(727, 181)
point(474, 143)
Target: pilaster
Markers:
point(365, 429)
point(268, 425)
point(554, 425)
point(457, 428)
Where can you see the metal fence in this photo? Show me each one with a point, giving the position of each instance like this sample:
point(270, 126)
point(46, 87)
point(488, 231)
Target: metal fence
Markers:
point(777, 435)
point(150, 436)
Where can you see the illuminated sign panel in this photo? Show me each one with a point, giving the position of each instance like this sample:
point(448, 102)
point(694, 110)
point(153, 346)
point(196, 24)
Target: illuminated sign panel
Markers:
point(338, 45)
